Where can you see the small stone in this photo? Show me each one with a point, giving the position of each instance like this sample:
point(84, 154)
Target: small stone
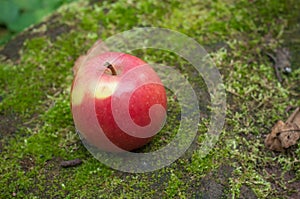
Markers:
point(288, 70)
point(70, 163)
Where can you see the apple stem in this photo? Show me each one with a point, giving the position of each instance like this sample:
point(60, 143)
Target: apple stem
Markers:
point(111, 68)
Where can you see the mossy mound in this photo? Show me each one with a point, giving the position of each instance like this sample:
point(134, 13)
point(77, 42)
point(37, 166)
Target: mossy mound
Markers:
point(37, 131)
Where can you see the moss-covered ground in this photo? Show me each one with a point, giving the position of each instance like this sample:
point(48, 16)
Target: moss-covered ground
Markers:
point(37, 131)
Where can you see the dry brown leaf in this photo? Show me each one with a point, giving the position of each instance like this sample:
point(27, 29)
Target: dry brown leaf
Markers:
point(284, 134)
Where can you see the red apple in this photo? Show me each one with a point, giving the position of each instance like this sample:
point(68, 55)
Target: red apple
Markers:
point(118, 102)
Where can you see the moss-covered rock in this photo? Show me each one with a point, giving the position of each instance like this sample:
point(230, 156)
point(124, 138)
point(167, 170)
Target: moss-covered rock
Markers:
point(37, 131)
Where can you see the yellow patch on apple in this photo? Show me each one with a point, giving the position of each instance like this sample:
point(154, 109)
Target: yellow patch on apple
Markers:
point(105, 89)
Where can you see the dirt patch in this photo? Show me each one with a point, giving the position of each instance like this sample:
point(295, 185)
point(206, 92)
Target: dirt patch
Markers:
point(284, 184)
point(294, 186)
point(207, 187)
point(54, 28)
point(157, 181)
point(8, 124)
point(224, 173)
point(27, 163)
point(50, 181)
point(246, 192)
point(53, 164)
point(216, 185)
point(211, 189)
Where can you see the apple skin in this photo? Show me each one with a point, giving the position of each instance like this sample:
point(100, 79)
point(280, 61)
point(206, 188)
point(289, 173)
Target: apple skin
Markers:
point(116, 112)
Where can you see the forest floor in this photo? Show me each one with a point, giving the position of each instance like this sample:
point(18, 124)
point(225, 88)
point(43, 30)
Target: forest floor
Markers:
point(37, 132)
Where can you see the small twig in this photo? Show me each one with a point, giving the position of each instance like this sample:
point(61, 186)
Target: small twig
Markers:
point(292, 117)
point(275, 66)
point(288, 108)
point(292, 130)
point(235, 94)
point(70, 163)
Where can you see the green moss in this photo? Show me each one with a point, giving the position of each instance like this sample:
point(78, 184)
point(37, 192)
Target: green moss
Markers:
point(175, 187)
point(37, 89)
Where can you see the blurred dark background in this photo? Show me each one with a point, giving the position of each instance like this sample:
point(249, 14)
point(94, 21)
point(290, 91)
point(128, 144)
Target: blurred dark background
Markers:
point(16, 15)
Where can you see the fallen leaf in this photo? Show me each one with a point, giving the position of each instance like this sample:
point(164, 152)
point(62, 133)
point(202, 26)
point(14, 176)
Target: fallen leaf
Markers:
point(284, 134)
